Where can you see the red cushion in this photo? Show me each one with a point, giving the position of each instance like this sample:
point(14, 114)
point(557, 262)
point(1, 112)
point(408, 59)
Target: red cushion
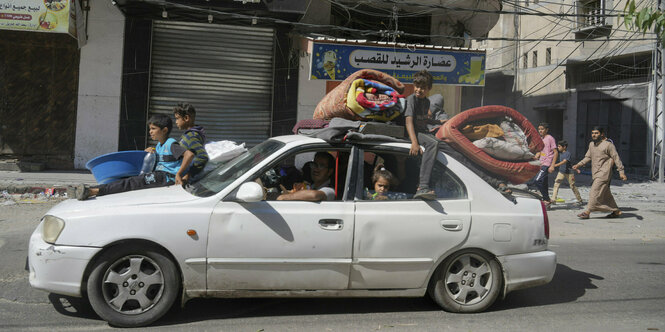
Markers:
point(515, 172)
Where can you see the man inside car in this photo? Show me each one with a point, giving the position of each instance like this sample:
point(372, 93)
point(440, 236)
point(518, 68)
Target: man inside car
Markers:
point(319, 190)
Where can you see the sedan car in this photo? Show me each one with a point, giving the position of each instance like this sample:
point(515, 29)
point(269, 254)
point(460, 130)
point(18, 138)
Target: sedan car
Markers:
point(134, 255)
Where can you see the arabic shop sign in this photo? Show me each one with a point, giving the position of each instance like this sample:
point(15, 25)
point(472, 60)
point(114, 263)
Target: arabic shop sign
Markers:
point(337, 61)
point(35, 15)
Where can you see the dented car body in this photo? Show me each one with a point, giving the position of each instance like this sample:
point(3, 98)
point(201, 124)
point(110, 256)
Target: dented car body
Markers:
point(134, 254)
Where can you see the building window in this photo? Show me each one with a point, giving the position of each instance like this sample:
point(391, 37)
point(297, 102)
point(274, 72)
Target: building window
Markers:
point(548, 56)
point(535, 59)
point(593, 13)
point(526, 60)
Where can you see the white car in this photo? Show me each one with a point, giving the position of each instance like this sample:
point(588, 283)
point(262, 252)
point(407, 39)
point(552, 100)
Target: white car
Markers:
point(133, 255)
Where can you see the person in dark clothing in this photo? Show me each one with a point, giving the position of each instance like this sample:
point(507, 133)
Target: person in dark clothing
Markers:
point(416, 119)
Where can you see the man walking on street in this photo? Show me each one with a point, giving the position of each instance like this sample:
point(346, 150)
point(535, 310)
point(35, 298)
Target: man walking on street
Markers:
point(603, 155)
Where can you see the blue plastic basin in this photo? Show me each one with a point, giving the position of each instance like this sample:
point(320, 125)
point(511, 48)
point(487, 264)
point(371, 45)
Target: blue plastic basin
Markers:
point(116, 165)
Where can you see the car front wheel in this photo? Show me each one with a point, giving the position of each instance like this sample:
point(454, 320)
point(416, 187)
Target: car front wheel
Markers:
point(467, 281)
point(133, 286)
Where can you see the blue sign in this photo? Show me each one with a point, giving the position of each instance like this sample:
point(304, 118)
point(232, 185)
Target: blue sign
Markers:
point(337, 61)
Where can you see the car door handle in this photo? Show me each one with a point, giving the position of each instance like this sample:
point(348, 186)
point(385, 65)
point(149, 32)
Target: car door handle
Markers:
point(452, 225)
point(331, 224)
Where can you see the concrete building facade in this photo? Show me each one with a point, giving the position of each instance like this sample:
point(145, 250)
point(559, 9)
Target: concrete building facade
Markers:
point(574, 64)
point(134, 64)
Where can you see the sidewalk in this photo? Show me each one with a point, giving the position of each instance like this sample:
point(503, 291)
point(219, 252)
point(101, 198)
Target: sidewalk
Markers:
point(47, 182)
point(55, 183)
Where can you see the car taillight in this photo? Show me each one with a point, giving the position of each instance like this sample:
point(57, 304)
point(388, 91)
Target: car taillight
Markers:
point(546, 221)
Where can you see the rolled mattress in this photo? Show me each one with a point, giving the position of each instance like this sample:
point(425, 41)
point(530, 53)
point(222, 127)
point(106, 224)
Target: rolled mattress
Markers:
point(514, 171)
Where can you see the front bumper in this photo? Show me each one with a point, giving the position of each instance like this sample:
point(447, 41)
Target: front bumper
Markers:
point(55, 268)
point(528, 270)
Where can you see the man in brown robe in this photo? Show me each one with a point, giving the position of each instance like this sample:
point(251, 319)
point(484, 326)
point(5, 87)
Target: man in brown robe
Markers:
point(603, 155)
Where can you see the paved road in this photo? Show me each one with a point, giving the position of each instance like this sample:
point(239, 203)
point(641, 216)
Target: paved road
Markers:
point(609, 278)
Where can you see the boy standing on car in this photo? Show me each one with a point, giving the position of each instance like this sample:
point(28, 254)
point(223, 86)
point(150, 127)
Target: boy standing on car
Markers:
point(193, 140)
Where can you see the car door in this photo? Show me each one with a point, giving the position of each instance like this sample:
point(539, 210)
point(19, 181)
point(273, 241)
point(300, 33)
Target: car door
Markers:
point(397, 241)
point(280, 245)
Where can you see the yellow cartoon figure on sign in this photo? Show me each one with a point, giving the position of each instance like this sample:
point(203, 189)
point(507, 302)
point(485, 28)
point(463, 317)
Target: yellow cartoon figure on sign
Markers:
point(475, 71)
point(329, 63)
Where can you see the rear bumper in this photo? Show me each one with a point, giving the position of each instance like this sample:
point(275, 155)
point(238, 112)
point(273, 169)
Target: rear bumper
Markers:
point(57, 269)
point(527, 270)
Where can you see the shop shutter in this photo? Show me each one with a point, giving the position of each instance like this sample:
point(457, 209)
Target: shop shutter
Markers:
point(225, 71)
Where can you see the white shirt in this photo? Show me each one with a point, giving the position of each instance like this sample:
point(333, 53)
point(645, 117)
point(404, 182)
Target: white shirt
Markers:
point(330, 192)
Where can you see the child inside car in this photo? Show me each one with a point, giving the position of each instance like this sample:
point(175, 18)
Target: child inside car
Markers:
point(383, 180)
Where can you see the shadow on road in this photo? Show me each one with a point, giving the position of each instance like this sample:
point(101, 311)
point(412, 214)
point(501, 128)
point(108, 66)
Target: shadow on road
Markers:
point(72, 306)
point(567, 285)
point(210, 309)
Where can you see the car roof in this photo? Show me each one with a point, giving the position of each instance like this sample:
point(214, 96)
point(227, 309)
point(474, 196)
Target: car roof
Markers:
point(297, 138)
point(301, 139)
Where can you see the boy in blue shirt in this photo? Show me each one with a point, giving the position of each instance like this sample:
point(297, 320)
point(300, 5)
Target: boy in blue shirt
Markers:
point(565, 172)
point(169, 157)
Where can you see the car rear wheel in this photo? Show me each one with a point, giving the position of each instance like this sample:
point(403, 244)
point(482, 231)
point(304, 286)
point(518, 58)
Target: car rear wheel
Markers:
point(467, 281)
point(133, 285)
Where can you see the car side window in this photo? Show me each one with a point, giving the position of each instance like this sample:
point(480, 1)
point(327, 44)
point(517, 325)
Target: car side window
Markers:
point(294, 173)
point(399, 172)
point(446, 184)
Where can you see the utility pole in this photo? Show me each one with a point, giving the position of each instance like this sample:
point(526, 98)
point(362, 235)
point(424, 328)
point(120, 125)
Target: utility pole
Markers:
point(516, 66)
point(658, 113)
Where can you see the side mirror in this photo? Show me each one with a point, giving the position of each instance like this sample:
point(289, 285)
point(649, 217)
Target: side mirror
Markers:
point(249, 192)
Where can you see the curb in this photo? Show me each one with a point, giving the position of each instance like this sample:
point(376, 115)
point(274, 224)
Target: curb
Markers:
point(37, 189)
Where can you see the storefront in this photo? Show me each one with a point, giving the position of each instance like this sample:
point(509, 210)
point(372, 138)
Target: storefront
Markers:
point(39, 66)
point(225, 71)
point(327, 62)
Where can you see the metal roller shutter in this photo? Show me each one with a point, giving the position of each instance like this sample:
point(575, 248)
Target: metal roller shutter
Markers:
point(225, 71)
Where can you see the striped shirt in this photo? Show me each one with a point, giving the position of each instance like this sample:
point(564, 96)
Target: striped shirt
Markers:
point(193, 140)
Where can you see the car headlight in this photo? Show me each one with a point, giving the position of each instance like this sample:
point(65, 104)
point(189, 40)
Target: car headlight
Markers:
point(52, 228)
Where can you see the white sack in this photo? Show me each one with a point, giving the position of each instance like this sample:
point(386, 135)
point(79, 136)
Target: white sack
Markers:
point(503, 150)
point(513, 134)
point(221, 151)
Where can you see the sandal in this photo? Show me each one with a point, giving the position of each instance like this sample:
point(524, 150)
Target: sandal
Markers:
point(615, 214)
point(503, 188)
point(584, 215)
point(425, 194)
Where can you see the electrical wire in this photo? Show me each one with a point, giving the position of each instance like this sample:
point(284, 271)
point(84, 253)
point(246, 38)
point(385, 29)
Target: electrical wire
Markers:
point(531, 90)
point(616, 50)
point(487, 11)
point(562, 4)
point(534, 46)
point(566, 18)
point(329, 27)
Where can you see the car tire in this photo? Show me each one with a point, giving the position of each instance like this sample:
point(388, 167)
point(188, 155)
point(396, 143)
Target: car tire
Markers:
point(133, 285)
point(467, 281)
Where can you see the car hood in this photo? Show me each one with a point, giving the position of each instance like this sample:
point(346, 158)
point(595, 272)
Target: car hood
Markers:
point(163, 195)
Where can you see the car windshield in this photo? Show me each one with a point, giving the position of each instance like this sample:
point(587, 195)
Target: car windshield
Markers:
point(222, 176)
